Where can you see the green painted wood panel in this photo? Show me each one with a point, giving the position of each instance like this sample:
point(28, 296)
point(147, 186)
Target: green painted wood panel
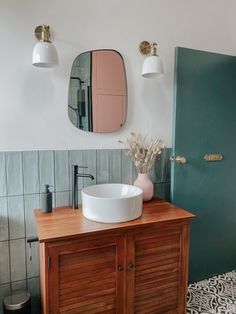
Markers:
point(205, 123)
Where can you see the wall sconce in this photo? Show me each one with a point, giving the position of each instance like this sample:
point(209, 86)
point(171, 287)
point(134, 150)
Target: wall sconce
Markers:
point(152, 65)
point(44, 53)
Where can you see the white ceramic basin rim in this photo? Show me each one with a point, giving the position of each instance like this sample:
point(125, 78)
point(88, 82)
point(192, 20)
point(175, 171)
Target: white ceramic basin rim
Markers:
point(112, 203)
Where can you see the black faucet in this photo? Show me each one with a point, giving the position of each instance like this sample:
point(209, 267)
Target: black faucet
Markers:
point(75, 175)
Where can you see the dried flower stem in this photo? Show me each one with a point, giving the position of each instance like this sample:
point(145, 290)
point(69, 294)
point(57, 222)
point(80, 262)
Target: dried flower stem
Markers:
point(143, 151)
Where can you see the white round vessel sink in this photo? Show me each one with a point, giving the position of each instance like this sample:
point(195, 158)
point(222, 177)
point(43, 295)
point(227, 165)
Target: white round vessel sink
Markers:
point(111, 203)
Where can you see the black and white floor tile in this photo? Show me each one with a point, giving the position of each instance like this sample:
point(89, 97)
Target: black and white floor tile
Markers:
point(216, 295)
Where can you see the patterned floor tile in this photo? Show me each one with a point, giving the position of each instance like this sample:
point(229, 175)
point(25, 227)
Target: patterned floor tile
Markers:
point(216, 295)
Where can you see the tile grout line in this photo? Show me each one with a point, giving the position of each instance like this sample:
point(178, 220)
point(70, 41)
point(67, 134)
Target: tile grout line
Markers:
point(9, 283)
point(82, 160)
point(39, 172)
point(8, 221)
point(5, 171)
point(96, 170)
point(69, 170)
point(6, 160)
point(54, 176)
point(96, 163)
point(23, 184)
point(121, 166)
point(109, 166)
point(68, 164)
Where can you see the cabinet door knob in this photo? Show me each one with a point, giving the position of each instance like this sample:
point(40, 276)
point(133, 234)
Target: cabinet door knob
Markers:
point(120, 268)
point(130, 266)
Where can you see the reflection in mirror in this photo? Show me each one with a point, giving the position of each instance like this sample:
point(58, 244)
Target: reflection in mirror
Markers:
point(97, 91)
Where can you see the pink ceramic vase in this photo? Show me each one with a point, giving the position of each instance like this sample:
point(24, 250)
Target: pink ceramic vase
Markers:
point(144, 182)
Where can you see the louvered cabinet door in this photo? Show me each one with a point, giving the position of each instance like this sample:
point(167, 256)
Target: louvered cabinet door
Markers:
point(157, 271)
point(86, 277)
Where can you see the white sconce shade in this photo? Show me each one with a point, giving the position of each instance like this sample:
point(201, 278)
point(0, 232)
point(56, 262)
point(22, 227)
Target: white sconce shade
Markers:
point(44, 53)
point(152, 67)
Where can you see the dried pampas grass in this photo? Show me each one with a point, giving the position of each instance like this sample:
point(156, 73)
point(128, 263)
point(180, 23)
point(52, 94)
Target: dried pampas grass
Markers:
point(142, 150)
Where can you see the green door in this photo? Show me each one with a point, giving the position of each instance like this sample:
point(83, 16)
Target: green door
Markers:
point(205, 124)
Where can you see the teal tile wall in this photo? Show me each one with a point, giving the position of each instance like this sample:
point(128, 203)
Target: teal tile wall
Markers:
point(22, 178)
point(3, 180)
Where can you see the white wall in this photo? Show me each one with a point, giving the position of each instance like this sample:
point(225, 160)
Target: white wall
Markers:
point(33, 101)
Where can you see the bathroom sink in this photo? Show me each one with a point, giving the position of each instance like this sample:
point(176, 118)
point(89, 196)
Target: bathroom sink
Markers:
point(112, 203)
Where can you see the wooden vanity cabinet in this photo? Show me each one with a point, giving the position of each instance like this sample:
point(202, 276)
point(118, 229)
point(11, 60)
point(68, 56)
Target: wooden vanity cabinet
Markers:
point(134, 267)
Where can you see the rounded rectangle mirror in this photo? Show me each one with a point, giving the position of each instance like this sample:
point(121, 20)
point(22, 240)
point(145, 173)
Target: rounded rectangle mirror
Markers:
point(97, 100)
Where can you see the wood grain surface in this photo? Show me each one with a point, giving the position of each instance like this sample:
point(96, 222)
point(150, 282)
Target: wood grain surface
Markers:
point(65, 222)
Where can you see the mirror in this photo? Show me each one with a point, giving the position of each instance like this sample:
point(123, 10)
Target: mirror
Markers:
point(97, 92)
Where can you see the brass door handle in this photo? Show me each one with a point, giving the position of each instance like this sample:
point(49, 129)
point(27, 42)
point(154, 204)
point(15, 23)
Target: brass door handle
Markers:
point(179, 159)
point(213, 157)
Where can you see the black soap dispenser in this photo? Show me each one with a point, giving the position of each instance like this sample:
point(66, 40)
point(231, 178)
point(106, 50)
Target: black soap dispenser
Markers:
point(46, 199)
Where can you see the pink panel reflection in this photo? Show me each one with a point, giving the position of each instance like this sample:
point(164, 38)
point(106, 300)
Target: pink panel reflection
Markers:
point(108, 91)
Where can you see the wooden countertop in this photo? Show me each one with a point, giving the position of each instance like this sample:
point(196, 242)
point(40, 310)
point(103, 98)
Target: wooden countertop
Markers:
point(65, 222)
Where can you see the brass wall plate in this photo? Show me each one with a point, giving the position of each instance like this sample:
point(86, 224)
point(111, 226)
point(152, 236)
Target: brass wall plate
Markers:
point(179, 159)
point(213, 157)
point(42, 29)
point(145, 48)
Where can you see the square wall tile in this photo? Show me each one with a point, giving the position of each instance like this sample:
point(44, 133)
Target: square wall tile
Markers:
point(161, 169)
point(103, 166)
point(80, 197)
point(152, 171)
point(75, 158)
point(4, 262)
point(5, 290)
point(18, 262)
point(34, 289)
point(31, 172)
point(168, 165)
point(3, 180)
point(115, 165)
point(14, 173)
point(46, 169)
point(62, 198)
point(162, 191)
point(134, 173)
point(32, 265)
point(3, 219)
point(127, 167)
point(31, 203)
point(90, 161)
point(34, 286)
point(16, 217)
point(18, 285)
point(158, 169)
point(61, 171)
